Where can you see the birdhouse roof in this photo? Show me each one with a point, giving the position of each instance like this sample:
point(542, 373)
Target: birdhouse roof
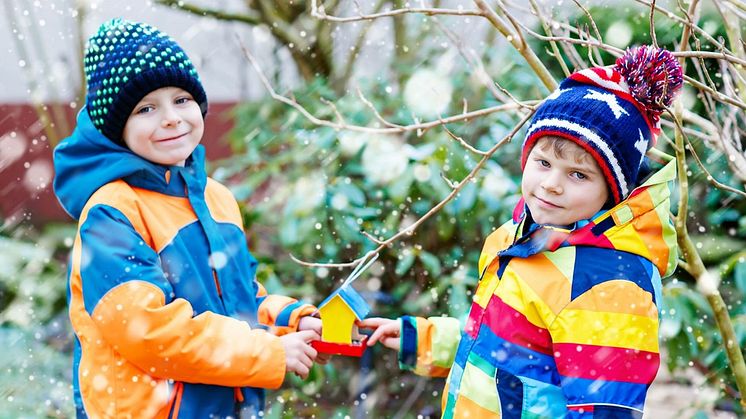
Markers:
point(353, 300)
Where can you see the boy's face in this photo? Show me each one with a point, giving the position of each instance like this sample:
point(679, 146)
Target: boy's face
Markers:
point(165, 126)
point(561, 190)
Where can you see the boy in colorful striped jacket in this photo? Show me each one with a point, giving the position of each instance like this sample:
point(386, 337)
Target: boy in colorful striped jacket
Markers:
point(168, 317)
point(564, 321)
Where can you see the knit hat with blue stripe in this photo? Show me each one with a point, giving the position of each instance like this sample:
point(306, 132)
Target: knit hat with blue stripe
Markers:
point(124, 61)
point(612, 112)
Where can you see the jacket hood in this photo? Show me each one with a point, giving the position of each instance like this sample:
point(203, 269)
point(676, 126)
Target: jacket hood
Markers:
point(640, 224)
point(87, 160)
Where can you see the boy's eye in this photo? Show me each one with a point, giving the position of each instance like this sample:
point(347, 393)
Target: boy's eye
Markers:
point(579, 175)
point(543, 162)
point(144, 109)
point(183, 99)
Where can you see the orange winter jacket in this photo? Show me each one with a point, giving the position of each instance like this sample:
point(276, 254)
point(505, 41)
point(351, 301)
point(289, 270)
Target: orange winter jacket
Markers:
point(168, 317)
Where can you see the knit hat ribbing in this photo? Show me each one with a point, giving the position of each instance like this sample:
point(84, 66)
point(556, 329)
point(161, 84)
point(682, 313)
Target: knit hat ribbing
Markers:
point(124, 61)
point(612, 112)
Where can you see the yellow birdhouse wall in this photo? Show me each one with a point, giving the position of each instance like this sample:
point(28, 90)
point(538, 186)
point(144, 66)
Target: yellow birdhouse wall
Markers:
point(336, 321)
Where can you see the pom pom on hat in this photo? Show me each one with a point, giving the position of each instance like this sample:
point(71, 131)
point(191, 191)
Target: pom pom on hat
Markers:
point(611, 112)
point(124, 61)
point(653, 75)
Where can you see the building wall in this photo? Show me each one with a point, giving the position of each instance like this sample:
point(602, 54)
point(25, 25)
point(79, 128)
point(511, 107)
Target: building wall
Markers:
point(26, 169)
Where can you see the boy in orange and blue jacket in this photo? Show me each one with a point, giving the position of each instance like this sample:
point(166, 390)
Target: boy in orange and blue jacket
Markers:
point(168, 317)
point(564, 321)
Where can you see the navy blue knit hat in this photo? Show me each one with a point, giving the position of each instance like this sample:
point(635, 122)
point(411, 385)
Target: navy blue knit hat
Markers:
point(124, 61)
point(611, 112)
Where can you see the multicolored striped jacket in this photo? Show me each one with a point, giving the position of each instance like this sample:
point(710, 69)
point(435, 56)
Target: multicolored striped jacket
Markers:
point(168, 317)
point(564, 323)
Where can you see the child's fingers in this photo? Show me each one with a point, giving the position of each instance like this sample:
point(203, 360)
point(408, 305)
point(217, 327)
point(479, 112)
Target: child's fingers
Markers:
point(301, 371)
point(373, 323)
point(310, 352)
point(376, 336)
point(391, 342)
point(323, 359)
point(308, 335)
point(303, 361)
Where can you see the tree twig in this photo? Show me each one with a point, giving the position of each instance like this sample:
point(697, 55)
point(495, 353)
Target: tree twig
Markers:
point(392, 130)
point(434, 210)
point(320, 13)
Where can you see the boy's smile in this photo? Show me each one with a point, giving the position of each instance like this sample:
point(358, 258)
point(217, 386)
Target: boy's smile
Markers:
point(562, 187)
point(165, 126)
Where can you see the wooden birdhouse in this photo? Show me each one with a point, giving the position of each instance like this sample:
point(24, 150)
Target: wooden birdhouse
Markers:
point(339, 311)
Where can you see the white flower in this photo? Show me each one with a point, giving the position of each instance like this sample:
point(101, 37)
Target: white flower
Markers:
point(619, 34)
point(351, 141)
point(340, 201)
point(709, 282)
point(428, 93)
point(422, 172)
point(309, 192)
point(496, 183)
point(384, 159)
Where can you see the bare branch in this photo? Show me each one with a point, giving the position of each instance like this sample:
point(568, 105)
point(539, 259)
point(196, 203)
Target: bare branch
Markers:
point(217, 14)
point(568, 40)
point(331, 104)
point(713, 55)
point(375, 111)
point(327, 265)
point(517, 41)
point(371, 237)
point(548, 30)
point(319, 13)
point(448, 181)
point(462, 142)
point(711, 178)
point(717, 95)
point(434, 210)
point(691, 26)
point(514, 23)
point(405, 128)
point(350, 64)
point(595, 30)
point(474, 61)
point(652, 24)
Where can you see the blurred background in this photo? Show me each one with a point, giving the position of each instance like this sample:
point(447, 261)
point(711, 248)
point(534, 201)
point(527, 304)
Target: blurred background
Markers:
point(375, 119)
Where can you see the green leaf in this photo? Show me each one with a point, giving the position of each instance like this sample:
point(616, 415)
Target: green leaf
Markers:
point(739, 276)
point(431, 262)
point(365, 213)
point(399, 189)
point(446, 228)
point(353, 193)
point(401, 290)
point(458, 302)
point(289, 231)
point(465, 199)
point(404, 264)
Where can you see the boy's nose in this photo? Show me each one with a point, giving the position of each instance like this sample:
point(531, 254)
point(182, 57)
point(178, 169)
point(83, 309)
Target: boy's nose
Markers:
point(170, 118)
point(551, 183)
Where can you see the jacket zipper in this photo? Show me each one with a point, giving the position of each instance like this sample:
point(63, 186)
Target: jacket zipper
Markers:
point(214, 272)
point(176, 399)
point(219, 290)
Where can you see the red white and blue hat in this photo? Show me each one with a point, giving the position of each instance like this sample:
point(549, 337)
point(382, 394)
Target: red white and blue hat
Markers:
point(612, 112)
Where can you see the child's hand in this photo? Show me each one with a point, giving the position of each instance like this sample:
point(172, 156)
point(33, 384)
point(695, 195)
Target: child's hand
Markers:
point(387, 331)
point(299, 355)
point(310, 323)
point(313, 323)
